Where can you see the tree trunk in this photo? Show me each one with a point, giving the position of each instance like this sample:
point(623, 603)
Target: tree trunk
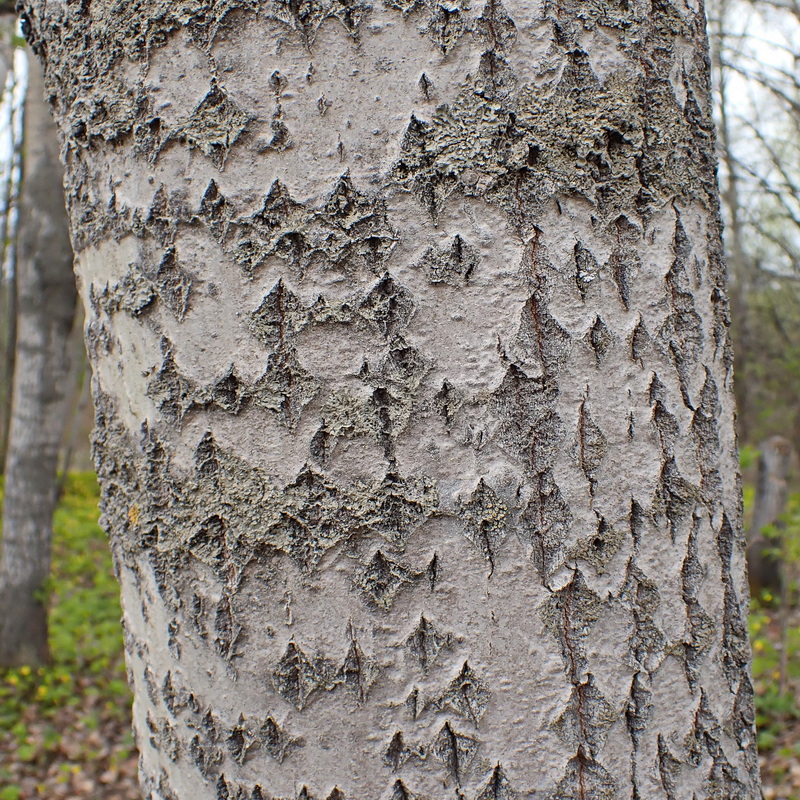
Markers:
point(742, 285)
point(413, 390)
point(772, 490)
point(46, 308)
point(9, 179)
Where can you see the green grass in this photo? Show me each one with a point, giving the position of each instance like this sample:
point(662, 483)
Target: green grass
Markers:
point(84, 688)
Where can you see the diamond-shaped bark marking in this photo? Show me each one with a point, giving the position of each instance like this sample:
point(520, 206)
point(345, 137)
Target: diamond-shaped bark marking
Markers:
point(486, 518)
point(216, 212)
point(498, 82)
point(172, 284)
point(467, 695)
point(296, 676)
point(425, 642)
point(314, 517)
point(401, 792)
point(647, 642)
point(447, 401)
point(641, 341)
point(280, 315)
point(357, 671)
point(586, 269)
point(279, 210)
point(286, 387)
point(345, 203)
point(207, 457)
point(276, 228)
point(415, 168)
point(402, 505)
point(229, 393)
point(383, 579)
point(413, 703)
point(398, 751)
point(353, 227)
point(546, 524)
point(584, 777)
point(455, 750)
point(600, 340)
point(174, 696)
point(495, 26)
point(639, 709)
point(214, 126)
point(675, 497)
point(208, 542)
point(242, 739)
point(586, 719)
point(453, 265)
point(497, 787)
point(447, 24)
point(569, 615)
point(172, 392)
point(590, 443)
point(226, 628)
point(702, 627)
point(160, 221)
point(528, 425)
point(388, 306)
point(336, 794)
point(540, 337)
point(275, 740)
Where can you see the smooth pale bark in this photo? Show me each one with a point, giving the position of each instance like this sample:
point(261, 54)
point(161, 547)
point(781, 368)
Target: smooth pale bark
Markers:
point(46, 309)
point(413, 388)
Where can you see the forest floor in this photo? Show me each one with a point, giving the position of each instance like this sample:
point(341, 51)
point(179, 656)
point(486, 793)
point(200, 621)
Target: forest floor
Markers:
point(65, 728)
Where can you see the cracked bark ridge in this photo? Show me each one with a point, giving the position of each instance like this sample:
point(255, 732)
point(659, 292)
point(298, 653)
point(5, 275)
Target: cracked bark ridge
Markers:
point(466, 695)
point(455, 750)
point(346, 229)
point(486, 521)
point(297, 676)
point(425, 642)
point(383, 579)
point(454, 265)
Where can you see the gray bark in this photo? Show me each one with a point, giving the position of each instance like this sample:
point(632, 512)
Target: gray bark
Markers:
point(775, 463)
point(413, 388)
point(46, 308)
point(8, 282)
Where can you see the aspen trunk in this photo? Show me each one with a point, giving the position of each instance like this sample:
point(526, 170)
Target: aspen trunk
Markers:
point(413, 388)
point(46, 309)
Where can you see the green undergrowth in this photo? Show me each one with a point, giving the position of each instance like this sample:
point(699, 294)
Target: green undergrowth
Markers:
point(61, 712)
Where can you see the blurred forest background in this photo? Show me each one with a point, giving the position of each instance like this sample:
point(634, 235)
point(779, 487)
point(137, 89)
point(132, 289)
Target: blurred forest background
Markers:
point(64, 724)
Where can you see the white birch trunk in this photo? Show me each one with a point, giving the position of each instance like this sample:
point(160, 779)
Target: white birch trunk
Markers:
point(413, 390)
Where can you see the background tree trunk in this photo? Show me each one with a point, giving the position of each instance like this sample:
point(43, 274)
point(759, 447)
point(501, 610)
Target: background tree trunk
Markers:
point(8, 218)
point(413, 389)
point(776, 459)
point(46, 308)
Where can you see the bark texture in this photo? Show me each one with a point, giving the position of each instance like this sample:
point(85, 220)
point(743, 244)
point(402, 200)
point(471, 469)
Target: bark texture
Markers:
point(413, 388)
point(46, 310)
